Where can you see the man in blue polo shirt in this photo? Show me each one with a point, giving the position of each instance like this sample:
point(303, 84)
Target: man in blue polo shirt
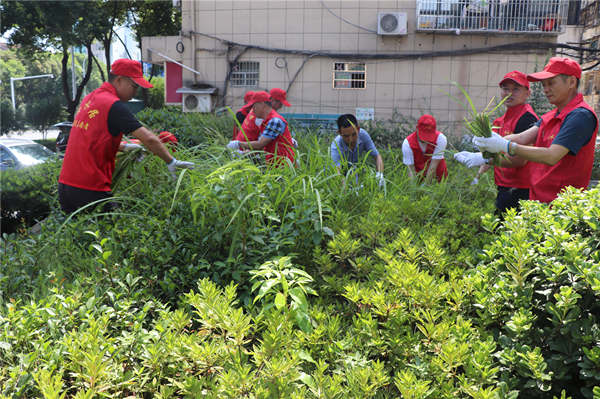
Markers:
point(352, 144)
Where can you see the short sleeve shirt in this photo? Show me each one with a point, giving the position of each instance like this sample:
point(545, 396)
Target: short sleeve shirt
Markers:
point(438, 153)
point(274, 128)
point(576, 130)
point(364, 145)
point(121, 120)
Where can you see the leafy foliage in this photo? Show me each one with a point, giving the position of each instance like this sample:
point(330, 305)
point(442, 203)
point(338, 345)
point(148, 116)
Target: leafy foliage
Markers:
point(240, 280)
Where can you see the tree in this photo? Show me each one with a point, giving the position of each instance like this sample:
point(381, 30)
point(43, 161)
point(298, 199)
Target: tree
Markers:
point(56, 26)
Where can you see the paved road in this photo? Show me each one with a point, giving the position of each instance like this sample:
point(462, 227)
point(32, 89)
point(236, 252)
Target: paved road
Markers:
point(34, 134)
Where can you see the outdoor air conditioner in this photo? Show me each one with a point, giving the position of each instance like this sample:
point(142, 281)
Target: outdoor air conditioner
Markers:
point(197, 99)
point(194, 102)
point(391, 23)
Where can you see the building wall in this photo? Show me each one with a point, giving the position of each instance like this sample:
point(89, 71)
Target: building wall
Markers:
point(411, 87)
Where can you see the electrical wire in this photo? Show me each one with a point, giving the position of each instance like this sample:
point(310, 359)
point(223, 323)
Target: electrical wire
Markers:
point(515, 47)
point(345, 20)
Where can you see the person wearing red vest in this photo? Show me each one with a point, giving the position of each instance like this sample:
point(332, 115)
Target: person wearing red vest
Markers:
point(275, 139)
point(563, 140)
point(512, 183)
point(95, 138)
point(423, 150)
point(242, 113)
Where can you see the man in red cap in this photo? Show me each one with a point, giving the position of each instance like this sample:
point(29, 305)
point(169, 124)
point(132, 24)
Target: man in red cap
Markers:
point(242, 113)
point(95, 138)
point(563, 140)
point(423, 150)
point(275, 138)
point(512, 183)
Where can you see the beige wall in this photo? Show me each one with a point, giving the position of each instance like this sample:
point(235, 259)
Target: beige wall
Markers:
point(411, 87)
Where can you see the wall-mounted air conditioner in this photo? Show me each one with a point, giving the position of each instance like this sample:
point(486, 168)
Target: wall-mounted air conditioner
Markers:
point(196, 100)
point(391, 23)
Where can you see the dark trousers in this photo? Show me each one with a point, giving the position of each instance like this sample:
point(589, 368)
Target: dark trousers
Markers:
point(509, 197)
point(72, 198)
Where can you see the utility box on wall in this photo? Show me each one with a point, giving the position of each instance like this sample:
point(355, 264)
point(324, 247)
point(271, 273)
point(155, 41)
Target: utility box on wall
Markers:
point(197, 99)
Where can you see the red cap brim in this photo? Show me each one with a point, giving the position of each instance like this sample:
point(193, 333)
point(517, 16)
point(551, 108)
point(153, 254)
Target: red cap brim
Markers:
point(536, 77)
point(524, 84)
point(142, 82)
point(286, 103)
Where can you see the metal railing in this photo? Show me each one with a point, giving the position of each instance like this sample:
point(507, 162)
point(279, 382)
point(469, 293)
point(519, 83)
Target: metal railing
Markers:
point(505, 16)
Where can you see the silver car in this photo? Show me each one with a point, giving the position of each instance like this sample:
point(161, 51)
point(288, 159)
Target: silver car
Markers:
point(21, 153)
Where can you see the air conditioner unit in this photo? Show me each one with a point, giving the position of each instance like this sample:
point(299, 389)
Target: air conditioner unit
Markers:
point(391, 23)
point(196, 100)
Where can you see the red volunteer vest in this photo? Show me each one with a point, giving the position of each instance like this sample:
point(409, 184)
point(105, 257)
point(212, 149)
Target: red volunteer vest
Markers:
point(512, 177)
point(244, 110)
point(572, 170)
point(282, 146)
point(422, 160)
point(90, 156)
point(250, 131)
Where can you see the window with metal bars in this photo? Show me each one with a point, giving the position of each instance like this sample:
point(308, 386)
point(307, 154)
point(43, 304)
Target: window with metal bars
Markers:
point(245, 74)
point(349, 75)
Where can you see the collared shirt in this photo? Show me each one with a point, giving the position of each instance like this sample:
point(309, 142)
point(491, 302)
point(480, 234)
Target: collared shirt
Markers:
point(274, 128)
point(339, 149)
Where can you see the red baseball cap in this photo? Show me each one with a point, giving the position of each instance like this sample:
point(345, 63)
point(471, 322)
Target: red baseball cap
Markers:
point(516, 76)
point(248, 96)
point(557, 66)
point(132, 69)
point(167, 137)
point(426, 128)
point(280, 94)
point(260, 97)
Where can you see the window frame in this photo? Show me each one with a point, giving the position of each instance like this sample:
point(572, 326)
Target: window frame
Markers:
point(244, 78)
point(351, 72)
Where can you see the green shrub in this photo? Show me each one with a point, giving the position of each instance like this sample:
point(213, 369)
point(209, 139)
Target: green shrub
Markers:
point(28, 195)
point(240, 280)
point(156, 94)
point(536, 290)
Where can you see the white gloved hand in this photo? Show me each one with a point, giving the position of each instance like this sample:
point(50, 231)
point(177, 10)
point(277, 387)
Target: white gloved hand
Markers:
point(294, 143)
point(380, 179)
point(475, 181)
point(234, 145)
point(470, 159)
point(177, 164)
point(493, 144)
point(131, 147)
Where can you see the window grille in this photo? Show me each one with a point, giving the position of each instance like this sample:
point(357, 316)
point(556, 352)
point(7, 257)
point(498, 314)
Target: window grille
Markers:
point(349, 75)
point(506, 16)
point(245, 74)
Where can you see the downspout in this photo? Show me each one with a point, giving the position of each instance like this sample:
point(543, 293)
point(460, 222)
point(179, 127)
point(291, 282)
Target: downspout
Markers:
point(194, 58)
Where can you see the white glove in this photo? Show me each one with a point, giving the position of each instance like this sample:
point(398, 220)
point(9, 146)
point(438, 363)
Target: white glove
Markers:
point(493, 144)
point(294, 143)
point(380, 179)
point(475, 181)
point(177, 164)
point(234, 145)
point(258, 121)
point(470, 159)
point(131, 147)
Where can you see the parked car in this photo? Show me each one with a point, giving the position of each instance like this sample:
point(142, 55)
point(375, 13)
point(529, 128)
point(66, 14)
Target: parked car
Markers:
point(21, 153)
point(63, 136)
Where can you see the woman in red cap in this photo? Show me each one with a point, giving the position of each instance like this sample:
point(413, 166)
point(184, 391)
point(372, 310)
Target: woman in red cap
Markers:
point(242, 113)
point(512, 183)
point(423, 150)
point(563, 140)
